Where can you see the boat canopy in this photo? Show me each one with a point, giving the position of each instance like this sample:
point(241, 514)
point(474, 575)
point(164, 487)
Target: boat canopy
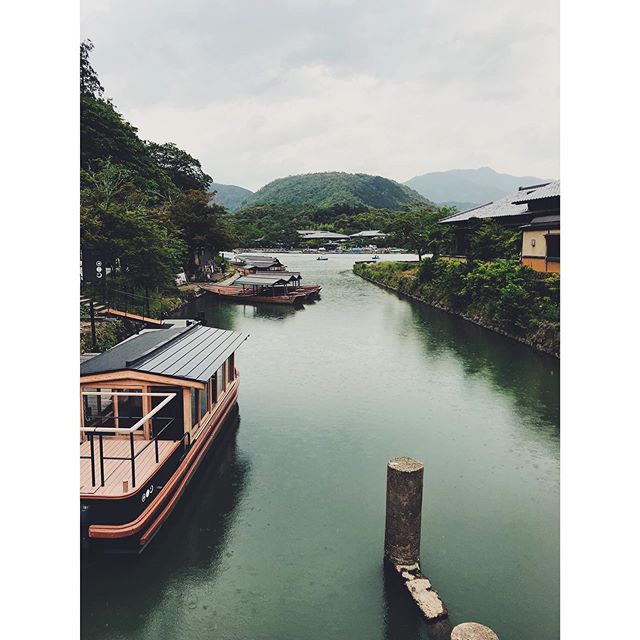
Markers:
point(288, 276)
point(194, 352)
point(261, 280)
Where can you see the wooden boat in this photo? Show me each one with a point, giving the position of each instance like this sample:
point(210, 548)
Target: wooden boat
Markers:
point(280, 288)
point(152, 407)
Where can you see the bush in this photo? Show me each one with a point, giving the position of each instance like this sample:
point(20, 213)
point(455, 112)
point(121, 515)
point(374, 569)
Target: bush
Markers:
point(502, 293)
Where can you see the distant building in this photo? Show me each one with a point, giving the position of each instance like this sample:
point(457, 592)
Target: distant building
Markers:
point(324, 235)
point(534, 210)
point(541, 235)
point(369, 234)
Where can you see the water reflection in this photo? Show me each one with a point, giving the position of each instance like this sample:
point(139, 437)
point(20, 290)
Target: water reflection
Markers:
point(224, 313)
point(504, 362)
point(189, 547)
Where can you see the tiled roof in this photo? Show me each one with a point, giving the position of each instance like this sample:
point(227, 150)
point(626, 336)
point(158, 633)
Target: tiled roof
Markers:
point(550, 190)
point(514, 204)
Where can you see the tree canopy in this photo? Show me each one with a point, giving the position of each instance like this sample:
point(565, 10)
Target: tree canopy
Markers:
point(183, 169)
point(89, 84)
point(144, 207)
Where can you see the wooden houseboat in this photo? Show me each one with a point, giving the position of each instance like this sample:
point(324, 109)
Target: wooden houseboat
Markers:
point(151, 409)
point(277, 288)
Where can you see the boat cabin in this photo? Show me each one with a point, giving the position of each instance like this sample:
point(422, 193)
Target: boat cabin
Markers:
point(150, 406)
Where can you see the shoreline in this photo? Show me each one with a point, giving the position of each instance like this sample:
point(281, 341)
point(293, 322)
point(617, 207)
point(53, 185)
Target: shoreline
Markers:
point(476, 321)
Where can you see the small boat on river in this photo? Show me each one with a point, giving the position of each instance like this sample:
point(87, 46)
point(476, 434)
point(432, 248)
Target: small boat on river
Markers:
point(280, 287)
point(151, 409)
point(322, 258)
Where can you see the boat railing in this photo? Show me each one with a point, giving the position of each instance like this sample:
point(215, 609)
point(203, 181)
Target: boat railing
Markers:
point(97, 431)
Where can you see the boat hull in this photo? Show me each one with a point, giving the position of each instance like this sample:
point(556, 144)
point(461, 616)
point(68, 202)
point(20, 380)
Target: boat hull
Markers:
point(232, 293)
point(127, 524)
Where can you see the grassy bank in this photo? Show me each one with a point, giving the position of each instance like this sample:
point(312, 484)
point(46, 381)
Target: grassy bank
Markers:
point(501, 295)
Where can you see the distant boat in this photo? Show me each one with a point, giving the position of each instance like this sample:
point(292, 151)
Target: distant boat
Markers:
point(376, 257)
point(322, 258)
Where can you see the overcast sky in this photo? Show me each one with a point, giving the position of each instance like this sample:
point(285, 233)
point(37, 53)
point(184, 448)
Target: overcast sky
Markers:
point(260, 89)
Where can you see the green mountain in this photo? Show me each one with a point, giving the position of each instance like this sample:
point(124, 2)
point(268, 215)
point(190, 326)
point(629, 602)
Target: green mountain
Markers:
point(468, 186)
point(325, 190)
point(230, 196)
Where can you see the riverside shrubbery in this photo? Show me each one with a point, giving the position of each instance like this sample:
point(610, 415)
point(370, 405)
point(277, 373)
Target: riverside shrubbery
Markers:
point(500, 293)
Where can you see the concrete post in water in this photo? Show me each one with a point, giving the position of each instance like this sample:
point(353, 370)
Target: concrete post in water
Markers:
point(404, 511)
point(472, 631)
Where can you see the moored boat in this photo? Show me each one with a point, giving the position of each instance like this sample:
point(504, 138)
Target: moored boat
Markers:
point(283, 287)
point(152, 407)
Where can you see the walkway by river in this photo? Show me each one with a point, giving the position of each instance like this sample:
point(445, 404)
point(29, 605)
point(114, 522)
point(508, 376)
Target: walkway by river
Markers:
point(281, 536)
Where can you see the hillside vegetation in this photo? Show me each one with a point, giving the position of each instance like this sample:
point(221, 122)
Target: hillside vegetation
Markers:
point(144, 207)
point(340, 202)
point(230, 196)
point(324, 190)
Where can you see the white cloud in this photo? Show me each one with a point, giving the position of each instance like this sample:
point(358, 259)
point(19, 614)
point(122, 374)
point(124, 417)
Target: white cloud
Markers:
point(258, 90)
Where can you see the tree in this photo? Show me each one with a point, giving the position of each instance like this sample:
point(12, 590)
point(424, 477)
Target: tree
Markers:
point(418, 229)
point(89, 84)
point(201, 226)
point(131, 237)
point(185, 171)
point(489, 240)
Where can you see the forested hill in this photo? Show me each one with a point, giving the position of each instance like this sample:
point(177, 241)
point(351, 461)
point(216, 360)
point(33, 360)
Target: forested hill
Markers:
point(323, 190)
point(230, 196)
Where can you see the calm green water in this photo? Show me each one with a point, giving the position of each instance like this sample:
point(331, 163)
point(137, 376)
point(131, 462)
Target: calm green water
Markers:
point(280, 536)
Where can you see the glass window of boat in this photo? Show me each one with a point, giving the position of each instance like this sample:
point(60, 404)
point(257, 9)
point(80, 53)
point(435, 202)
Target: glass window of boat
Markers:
point(203, 393)
point(231, 366)
point(213, 381)
point(220, 380)
point(98, 410)
point(129, 408)
point(195, 405)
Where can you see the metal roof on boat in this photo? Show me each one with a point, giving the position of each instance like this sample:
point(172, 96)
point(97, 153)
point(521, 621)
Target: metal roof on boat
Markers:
point(284, 275)
point(262, 280)
point(192, 353)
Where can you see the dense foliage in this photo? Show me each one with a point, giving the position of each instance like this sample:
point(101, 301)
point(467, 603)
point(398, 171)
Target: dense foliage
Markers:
point(184, 170)
point(145, 211)
point(325, 190)
point(501, 293)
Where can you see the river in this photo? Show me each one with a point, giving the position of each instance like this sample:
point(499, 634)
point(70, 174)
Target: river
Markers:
point(281, 534)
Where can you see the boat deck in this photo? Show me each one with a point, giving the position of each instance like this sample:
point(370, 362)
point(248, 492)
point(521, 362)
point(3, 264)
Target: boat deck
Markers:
point(115, 471)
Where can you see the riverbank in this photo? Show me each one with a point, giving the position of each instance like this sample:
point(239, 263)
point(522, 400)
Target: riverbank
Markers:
point(501, 296)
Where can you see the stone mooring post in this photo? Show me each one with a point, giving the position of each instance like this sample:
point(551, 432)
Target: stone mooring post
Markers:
point(402, 533)
point(405, 477)
point(403, 525)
